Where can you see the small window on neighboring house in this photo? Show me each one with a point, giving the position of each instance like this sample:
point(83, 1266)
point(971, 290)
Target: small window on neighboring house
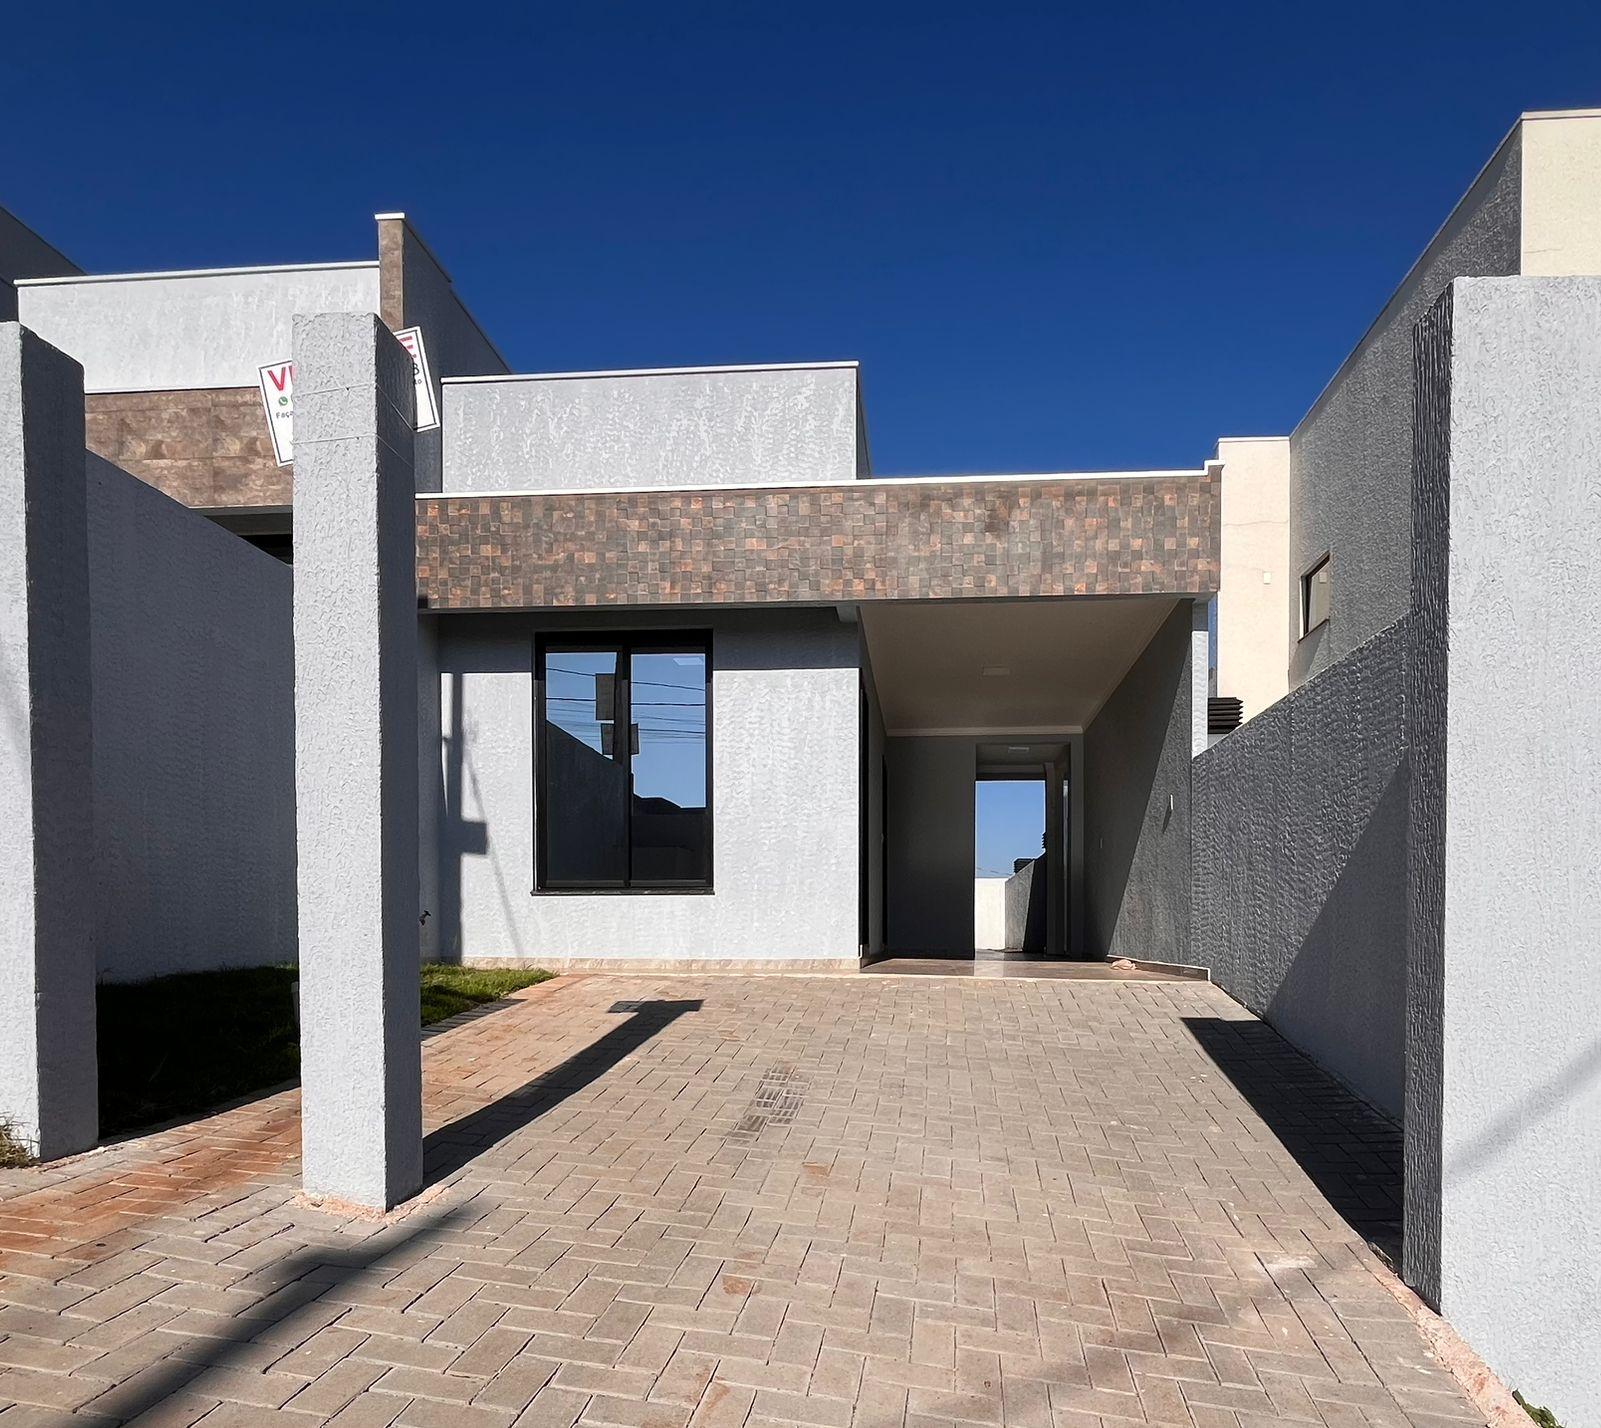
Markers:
point(1315, 596)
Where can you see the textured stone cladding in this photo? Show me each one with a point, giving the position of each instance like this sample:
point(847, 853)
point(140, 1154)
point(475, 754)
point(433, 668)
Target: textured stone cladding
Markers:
point(873, 540)
point(204, 448)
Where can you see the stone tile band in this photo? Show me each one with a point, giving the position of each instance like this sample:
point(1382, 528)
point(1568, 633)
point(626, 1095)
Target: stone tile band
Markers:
point(878, 540)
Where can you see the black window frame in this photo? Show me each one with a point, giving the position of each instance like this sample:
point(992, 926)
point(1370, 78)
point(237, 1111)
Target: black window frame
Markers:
point(623, 644)
point(1308, 579)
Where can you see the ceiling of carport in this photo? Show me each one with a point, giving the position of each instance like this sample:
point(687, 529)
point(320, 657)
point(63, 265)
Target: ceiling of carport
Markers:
point(1025, 666)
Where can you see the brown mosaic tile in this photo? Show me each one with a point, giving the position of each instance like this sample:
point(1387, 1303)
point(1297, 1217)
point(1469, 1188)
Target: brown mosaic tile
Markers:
point(874, 540)
point(205, 447)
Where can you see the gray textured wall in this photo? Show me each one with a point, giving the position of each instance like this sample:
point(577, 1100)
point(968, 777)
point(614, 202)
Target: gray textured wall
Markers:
point(204, 330)
point(1505, 1000)
point(48, 1088)
point(766, 426)
point(356, 743)
point(456, 345)
point(194, 797)
point(785, 716)
point(24, 254)
point(1136, 849)
point(873, 819)
point(1351, 456)
point(1300, 821)
point(930, 852)
point(1025, 907)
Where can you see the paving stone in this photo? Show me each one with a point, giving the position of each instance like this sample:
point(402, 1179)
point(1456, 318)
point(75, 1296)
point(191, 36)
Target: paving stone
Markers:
point(728, 1202)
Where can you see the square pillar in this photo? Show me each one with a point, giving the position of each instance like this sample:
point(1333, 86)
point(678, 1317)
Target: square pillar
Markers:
point(1503, 1055)
point(356, 761)
point(48, 1091)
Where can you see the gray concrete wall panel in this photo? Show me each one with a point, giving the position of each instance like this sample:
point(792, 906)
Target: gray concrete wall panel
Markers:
point(769, 426)
point(1300, 867)
point(1350, 457)
point(1505, 1003)
point(1137, 804)
point(150, 333)
point(48, 1091)
point(194, 728)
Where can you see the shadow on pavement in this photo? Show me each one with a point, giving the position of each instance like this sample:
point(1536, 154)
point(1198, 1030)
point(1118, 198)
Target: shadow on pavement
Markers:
point(1352, 1153)
point(449, 1148)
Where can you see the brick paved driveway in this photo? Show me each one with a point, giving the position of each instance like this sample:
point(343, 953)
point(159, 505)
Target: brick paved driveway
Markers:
point(661, 1201)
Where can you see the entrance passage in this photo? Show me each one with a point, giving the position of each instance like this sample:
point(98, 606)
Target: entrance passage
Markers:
point(1009, 875)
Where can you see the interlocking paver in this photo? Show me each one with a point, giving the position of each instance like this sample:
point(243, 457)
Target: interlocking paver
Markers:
point(728, 1202)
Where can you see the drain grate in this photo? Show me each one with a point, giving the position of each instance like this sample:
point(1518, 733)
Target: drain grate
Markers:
point(778, 1098)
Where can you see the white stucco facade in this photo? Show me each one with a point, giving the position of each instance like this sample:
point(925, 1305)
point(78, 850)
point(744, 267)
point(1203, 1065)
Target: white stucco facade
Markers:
point(146, 332)
point(739, 426)
point(785, 805)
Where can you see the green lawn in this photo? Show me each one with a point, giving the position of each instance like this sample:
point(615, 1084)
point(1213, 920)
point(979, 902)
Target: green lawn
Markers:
point(178, 1045)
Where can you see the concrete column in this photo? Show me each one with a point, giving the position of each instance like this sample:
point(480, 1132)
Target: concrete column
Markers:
point(1075, 847)
point(1200, 666)
point(356, 757)
point(48, 1092)
point(1503, 1063)
point(1055, 859)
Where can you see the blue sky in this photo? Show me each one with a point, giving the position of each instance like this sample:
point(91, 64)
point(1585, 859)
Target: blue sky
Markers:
point(1057, 236)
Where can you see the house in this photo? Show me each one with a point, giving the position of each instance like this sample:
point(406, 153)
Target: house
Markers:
point(648, 669)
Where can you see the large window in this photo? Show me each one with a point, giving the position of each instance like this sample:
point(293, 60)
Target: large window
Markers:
point(624, 763)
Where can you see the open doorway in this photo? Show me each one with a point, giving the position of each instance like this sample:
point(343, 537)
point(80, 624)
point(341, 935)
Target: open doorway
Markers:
point(1009, 873)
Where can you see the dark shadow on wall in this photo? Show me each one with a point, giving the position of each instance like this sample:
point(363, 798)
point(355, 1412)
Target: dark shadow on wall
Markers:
point(1025, 906)
point(449, 1148)
point(461, 837)
point(1351, 1153)
point(1300, 871)
point(1342, 998)
point(1136, 850)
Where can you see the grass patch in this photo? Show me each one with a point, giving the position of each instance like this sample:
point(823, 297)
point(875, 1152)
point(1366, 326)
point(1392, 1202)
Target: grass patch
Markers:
point(1543, 1416)
point(448, 989)
point(13, 1153)
point(180, 1045)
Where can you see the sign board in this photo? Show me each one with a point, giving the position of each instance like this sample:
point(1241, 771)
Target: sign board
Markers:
point(277, 381)
point(278, 397)
point(427, 412)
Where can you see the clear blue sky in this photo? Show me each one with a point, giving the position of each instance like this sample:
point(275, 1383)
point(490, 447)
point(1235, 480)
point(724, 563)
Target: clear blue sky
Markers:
point(1056, 235)
point(1008, 824)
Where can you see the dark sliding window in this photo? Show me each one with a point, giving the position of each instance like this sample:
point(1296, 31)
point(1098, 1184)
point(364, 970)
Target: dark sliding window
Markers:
point(624, 768)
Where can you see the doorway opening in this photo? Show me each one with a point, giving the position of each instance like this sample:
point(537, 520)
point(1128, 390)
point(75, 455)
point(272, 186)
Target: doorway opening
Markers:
point(1009, 872)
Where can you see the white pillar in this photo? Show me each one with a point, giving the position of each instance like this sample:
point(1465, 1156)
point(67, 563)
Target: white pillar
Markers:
point(48, 1092)
point(356, 761)
point(1200, 669)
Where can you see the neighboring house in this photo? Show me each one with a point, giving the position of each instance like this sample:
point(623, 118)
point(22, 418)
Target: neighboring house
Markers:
point(697, 690)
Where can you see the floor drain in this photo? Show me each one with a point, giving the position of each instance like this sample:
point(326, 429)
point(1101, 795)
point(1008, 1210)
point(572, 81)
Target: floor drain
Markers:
point(777, 1099)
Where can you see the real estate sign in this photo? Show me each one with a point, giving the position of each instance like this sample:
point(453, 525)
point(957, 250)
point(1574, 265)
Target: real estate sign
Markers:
point(277, 381)
point(278, 397)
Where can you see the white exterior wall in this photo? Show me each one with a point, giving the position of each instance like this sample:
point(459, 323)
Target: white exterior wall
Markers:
point(989, 914)
point(784, 718)
point(194, 799)
point(1503, 998)
point(152, 332)
point(1255, 584)
point(697, 427)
